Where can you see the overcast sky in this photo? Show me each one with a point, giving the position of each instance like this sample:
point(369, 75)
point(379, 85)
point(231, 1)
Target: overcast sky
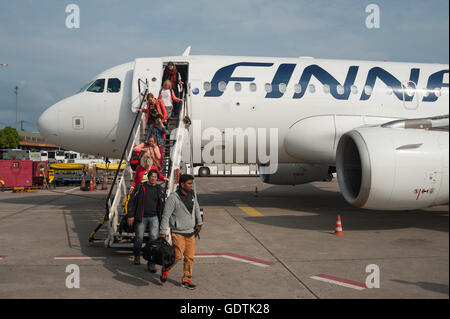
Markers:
point(49, 62)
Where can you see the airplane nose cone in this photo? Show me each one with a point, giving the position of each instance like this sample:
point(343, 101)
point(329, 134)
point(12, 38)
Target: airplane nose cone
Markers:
point(48, 124)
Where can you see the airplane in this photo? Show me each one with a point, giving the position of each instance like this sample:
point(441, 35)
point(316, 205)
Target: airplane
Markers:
point(381, 126)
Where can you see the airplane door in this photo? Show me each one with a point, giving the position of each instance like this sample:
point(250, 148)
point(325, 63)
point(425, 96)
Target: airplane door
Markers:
point(147, 73)
point(410, 95)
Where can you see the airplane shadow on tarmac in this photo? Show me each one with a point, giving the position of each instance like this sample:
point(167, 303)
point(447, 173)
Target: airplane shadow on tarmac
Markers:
point(308, 207)
point(440, 288)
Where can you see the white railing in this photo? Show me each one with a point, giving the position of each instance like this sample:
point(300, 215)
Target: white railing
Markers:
point(176, 152)
point(125, 180)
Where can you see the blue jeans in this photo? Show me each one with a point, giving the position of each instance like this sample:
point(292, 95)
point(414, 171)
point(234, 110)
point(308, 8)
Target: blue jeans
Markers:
point(139, 229)
point(149, 125)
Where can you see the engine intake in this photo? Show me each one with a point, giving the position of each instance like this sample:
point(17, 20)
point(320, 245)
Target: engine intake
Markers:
point(393, 169)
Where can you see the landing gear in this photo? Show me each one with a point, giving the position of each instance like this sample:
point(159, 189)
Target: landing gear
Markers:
point(204, 171)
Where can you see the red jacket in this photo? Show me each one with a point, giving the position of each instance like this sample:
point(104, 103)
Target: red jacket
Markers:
point(140, 171)
point(159, 107)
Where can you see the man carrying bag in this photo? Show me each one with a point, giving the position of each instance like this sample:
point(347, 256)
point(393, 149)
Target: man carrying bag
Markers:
point(182, 216)
point(144, 208)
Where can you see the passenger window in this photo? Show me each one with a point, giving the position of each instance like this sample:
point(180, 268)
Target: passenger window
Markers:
point(222, 86)
point(326, 89)
point(437, 91)
point(368, 89)
point(253, 87)
point(312, 88)
point(98, 86)
point(389, 90)
point(268, 87)
point(207, 86)
point(282, 87)
point(340, 89)
point(354, 89)
point(113, 85)
point(237, 87)
point(298, 88)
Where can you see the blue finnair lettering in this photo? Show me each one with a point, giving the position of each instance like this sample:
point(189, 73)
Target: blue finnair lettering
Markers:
point(224, 74)
point(285, 71)
point(283, 75)
point(325, 78)
point(391, 81)
point(435, 81)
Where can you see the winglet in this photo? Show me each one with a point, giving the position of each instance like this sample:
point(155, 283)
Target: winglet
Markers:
point(187, 51)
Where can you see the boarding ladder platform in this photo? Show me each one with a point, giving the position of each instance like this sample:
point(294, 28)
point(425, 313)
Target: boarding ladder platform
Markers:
point(173, 166)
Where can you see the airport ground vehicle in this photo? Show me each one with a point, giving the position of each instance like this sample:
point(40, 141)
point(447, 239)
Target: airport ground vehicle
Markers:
point(23, 173)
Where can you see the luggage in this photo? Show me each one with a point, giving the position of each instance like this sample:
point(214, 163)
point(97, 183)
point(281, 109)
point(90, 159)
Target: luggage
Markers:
point(159, 252)
point(135, 160)
point(123, 226)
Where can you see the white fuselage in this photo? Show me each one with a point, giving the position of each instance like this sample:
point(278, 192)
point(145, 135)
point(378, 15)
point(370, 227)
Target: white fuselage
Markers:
point(348, 94)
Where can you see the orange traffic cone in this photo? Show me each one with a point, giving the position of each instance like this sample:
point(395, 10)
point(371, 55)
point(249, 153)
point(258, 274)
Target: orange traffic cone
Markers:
point(256, 191)
point(91, 185)
point(83, 183)
point(104, 187)
point(338, 231)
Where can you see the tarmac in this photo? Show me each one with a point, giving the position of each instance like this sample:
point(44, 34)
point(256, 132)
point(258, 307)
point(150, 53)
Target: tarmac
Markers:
point(276, 243)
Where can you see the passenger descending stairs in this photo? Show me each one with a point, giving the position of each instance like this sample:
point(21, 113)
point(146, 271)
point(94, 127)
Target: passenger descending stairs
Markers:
point(172, 167)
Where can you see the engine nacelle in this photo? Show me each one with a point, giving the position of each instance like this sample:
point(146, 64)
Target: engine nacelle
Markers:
point(393, 169)
point(295, 173)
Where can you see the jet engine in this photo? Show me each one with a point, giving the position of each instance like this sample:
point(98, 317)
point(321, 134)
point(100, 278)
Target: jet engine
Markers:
point(402, 165)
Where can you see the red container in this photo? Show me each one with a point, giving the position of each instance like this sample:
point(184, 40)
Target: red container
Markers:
point(16, 173)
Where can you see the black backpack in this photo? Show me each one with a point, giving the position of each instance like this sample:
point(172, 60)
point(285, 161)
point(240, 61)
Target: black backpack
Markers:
point(123, 226)
point(135, 160)
point(159, 252)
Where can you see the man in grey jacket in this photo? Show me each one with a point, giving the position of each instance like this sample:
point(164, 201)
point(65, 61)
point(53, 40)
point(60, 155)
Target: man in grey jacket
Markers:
point(182, 217)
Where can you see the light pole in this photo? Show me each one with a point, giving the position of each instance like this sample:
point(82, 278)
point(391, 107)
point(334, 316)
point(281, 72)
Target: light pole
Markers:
point(17, 95)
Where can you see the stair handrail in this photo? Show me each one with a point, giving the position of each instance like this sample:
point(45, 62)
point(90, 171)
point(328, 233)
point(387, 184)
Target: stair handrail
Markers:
point(132, 130)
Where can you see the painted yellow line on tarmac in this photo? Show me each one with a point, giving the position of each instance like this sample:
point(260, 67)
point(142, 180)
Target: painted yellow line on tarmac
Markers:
point(247, 209)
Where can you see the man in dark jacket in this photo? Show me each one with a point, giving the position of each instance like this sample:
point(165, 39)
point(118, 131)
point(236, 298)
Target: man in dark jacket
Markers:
point(145, 208)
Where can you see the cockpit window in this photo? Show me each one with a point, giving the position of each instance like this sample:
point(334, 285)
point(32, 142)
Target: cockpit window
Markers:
point(113, 85)
point(98, 86)
point(85, 87)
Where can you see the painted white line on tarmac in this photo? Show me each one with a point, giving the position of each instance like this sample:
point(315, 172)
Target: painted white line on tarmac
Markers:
point(80, 257)
point(69, 190)
point(340, 281)
point(248, 260)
